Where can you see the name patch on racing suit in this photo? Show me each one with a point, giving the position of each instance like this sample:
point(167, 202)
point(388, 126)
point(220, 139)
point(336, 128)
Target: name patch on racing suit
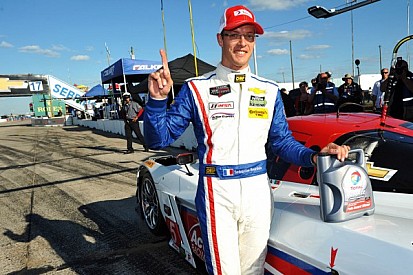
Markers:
point(235, 171)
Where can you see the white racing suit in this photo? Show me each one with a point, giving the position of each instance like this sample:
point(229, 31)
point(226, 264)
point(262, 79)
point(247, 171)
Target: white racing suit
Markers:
point(233, 115)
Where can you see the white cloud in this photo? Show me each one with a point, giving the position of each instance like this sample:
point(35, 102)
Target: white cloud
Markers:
point(59, 48)
point(89, 48)
point(308, 56)
point(275, 4)
point(317, 47)
point(4, 44)
point(287, 35)
point(37, 50)
point(278, 51)
point(80, 57)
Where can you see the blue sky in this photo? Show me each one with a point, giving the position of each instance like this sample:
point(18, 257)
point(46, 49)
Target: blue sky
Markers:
point(67, 38)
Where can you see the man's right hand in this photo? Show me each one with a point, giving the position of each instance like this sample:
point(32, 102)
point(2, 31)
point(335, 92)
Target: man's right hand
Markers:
point(160, 82)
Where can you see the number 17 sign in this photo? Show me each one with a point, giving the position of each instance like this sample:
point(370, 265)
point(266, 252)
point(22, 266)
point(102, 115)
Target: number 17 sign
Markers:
point(36, 86)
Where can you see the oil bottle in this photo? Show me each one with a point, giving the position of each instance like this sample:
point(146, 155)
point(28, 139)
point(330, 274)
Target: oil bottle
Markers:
point(345, 187)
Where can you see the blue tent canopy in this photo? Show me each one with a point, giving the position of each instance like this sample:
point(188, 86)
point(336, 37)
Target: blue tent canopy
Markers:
point(135, 70)
point(97, 91)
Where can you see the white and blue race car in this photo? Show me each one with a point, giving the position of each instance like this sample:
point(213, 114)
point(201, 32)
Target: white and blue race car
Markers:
point(301, 242)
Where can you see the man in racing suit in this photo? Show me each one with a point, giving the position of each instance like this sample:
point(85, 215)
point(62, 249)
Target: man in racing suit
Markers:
point(234, 114)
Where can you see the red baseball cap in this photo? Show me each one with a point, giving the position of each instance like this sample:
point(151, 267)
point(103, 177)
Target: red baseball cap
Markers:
point(237, 16)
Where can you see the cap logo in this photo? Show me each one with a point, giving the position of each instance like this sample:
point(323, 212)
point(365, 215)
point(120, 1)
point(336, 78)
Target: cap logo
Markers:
point(242, 12)
point(237, 16)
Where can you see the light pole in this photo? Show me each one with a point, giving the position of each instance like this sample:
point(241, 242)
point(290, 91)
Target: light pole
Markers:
point(381, 66)
point(321, 12)
point(352, 39)
point(107, 53)
point(357, 62)
point(292, 67)
point(408, 29)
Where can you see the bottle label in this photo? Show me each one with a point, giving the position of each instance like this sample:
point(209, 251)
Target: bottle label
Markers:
point(354, 188)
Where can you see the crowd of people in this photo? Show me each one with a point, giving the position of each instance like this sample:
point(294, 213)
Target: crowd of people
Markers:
point(325, 97)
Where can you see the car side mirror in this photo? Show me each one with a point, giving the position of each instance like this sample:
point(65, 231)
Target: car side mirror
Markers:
point(184, 159)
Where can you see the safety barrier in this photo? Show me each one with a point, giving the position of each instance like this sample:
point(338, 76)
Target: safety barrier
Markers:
point(187, 140)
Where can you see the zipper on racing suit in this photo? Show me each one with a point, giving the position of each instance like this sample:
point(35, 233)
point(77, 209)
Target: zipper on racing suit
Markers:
point(239, 116)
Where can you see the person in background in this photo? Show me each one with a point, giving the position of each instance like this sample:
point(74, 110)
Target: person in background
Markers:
point(314, 82)
point(302, 104)
point(349, 91)
point(288, 103)
point(377, 93)
point(330, 83)
point(324, 96)
point(401, 100)
point(234, 114)
point(294, 93)
point(130, 113)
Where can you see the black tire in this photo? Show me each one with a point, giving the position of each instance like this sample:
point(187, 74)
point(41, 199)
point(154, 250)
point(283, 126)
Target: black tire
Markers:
point(149, 203)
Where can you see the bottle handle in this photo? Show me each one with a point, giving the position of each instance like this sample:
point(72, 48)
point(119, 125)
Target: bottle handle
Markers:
point(360, 159)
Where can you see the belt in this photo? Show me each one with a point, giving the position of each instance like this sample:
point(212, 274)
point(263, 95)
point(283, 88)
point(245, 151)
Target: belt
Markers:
point(226, 172)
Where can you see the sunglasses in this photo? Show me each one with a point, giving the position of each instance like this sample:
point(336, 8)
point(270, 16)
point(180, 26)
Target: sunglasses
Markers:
point(250, 37)
point(384, 72)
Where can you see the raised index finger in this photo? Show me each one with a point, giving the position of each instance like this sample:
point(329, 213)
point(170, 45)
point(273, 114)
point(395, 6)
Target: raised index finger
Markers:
point(164, 60)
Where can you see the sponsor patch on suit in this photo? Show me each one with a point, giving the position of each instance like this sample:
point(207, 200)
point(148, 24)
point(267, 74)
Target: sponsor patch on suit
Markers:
point(239, 78)
point(222, 115)
point(257, 91)
point(221, 105)
point(211, 171)
point(258, 113)
point(220, 90)
point(257, 101)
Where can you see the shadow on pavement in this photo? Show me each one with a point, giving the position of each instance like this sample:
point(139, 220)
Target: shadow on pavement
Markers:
point(105, 232)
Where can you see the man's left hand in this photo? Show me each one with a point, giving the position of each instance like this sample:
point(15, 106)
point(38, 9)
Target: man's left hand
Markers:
point(334, 149)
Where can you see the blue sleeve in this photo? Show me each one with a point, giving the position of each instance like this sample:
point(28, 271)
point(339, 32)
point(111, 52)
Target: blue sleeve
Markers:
point(335, 91)
point(161, 126)
point(375, 89)
point(283, 143)
point(312, 91)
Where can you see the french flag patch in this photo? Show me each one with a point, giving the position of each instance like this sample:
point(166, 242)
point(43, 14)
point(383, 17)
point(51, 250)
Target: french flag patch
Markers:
point(227, 172)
